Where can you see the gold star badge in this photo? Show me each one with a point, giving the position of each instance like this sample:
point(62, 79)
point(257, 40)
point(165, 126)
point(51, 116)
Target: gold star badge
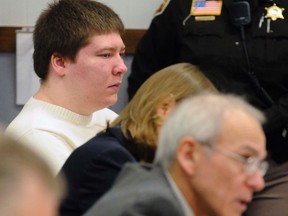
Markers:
point(274, 12)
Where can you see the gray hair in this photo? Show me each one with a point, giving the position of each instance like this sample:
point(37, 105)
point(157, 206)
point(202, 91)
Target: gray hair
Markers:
point(201, 117)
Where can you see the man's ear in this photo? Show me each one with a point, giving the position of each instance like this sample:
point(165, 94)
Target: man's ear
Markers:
point(187, 155)
point(165, 107)
point(58, 63)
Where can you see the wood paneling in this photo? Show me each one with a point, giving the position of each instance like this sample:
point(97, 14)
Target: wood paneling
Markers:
point(131, 39)
point(8, 39)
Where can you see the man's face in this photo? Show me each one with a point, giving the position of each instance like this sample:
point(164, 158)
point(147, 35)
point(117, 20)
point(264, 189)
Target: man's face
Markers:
point(97, 73)
point(221, 185)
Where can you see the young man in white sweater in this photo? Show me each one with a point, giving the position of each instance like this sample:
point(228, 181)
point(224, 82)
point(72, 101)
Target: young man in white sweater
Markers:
point(78, 57)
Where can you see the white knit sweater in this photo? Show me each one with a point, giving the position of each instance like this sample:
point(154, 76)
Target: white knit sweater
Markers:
point(53, 131)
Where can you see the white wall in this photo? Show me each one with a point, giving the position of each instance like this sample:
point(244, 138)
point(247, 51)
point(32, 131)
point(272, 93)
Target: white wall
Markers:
point(136, 14)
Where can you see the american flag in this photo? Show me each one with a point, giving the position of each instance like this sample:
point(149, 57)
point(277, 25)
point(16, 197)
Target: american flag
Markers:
point(206, 7)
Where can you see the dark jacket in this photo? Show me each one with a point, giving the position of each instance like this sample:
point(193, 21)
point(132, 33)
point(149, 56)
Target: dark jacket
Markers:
point(141, 191)
point(216, 47)
point(91, 170)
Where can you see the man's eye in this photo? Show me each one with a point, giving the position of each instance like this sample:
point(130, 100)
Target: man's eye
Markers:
point(106, 55)
point(246, 156)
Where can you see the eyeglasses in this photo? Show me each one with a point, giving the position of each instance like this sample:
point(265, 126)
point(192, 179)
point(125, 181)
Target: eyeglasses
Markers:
point(252, 164)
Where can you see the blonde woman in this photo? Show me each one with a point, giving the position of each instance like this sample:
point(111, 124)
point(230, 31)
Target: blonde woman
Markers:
point(92, 168)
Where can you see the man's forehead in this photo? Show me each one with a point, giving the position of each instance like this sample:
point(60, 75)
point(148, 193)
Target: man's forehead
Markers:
point(242, 131)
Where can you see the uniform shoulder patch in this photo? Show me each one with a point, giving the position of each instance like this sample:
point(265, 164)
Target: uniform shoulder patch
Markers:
point(161, 8)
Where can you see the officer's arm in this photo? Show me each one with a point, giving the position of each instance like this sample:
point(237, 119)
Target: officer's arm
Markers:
point(277, 115)
point(155, 50)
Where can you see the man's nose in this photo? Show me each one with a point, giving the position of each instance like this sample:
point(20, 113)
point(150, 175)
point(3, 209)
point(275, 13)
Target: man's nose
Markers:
point(121, 68)
point(256, 181)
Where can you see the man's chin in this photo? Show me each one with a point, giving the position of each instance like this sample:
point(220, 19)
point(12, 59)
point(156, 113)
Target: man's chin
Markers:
point(112, 100)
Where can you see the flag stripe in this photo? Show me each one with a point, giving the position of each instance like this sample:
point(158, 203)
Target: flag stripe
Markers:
point(201, 7)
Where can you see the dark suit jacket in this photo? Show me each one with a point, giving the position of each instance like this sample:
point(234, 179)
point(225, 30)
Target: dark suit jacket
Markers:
point(138, 191)
point(91, 170)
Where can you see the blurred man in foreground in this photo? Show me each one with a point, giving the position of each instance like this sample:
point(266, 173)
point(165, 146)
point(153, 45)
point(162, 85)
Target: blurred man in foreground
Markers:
point(27, 185)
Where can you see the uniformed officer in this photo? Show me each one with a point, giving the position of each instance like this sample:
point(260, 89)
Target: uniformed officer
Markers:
point(249, 59)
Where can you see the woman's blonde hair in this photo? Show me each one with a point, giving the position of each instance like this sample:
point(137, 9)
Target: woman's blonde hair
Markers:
point(137, 120)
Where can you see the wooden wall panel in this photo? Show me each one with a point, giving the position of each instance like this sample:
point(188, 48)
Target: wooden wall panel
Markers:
point(8, 39)
point(131, 39)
